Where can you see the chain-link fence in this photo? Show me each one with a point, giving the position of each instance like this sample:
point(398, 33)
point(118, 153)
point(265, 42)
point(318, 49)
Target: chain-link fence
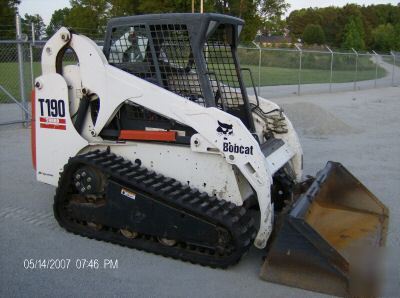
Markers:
point(276, 72)
point(282, 72)
point(15, 80)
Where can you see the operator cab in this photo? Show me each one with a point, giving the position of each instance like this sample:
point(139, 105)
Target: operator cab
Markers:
point(192, 55)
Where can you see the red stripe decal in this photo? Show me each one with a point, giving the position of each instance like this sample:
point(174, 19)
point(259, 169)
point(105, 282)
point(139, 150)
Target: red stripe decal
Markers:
point(53, 126)
point(145, 135)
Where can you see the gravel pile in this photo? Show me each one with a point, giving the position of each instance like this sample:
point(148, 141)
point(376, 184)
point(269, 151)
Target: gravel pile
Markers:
point(311, 119)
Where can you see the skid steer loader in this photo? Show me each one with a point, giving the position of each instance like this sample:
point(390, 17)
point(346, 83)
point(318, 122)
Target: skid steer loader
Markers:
point(154, 143)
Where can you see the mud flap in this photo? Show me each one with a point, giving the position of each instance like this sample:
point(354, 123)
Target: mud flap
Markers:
point(328, 241)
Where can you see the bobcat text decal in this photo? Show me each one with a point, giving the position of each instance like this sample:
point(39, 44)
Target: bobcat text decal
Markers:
point(226, 130)
point(52, 112)
point(233, 148)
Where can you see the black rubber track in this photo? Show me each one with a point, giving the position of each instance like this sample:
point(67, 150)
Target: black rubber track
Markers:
point(234, 219)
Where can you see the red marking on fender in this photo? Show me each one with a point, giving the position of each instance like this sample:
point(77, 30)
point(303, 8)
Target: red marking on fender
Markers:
point(53, 126)
point(144, 135)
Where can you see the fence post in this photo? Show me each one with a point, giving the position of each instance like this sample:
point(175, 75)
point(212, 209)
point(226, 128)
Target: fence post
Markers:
point(394, 66)
point(299, 73)
point(259, 66)
point(331, 75)
point(356, 71)
point(376, 67)
point(21, 68)
point(31, 44)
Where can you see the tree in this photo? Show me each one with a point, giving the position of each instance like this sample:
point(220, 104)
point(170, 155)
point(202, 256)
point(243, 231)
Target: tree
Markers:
point(299, 19)
point(353, 34)
point(57, 21)
point(271, 12)
point(8, 9)
point(397, 32)
point(274, 26)
point(273, 8)
point(386, 37)
point(83, 20)
point(163, 6)
point(245, 9)
point(333, 21)
point(88, 16)
point(121, 8)
point(313, 34)
point(348, 13)
point(329, 23)
point(256, 14)
point(37, 21)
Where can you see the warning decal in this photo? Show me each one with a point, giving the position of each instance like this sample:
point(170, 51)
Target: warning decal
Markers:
point(52, 123)
point(128, 193)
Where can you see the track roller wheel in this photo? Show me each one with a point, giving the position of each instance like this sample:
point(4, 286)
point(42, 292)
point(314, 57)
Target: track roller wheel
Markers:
point(128, 234)
point(166, 242)
point(95, 226)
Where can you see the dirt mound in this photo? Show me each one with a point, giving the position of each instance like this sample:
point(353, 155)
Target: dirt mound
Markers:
point(311, 119)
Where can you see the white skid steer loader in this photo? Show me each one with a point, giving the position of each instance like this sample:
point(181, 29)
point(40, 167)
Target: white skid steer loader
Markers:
point(154, 143)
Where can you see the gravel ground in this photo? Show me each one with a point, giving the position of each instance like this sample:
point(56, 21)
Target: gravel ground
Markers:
point(362, 133)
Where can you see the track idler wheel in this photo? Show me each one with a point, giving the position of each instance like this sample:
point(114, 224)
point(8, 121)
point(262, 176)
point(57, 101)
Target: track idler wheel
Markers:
point(88, 181)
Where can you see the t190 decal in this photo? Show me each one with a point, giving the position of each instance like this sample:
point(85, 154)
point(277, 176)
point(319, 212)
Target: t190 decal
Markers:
point(52, 107)
point(52, 112)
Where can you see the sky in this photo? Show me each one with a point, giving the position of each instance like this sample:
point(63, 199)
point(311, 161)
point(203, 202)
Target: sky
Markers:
point(45, 8)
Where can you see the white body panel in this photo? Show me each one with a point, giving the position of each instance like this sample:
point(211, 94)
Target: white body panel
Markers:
point(215, 155)
point(54, 146)
point(209, 173)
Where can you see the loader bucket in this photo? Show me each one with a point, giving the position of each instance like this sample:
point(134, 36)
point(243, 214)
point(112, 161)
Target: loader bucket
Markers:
point(333, 228)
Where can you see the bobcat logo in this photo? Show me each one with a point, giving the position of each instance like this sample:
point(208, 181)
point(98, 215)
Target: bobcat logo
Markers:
point(225, 129)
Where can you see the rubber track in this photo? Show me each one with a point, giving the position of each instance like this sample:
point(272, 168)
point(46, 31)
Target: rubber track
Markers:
point(235, 219)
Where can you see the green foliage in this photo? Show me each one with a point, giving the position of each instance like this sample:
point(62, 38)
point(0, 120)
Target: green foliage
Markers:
point(162, 6)
point(386, 37)
point(330, 25)
point(333, 20)
point(8, 8)
point(93, 14)
point(271, 13)
point(37, 21)
point(299, 19)
point(83, 20)
point(353, 37)
point(273, 8)
point(57, 20)
point(348, 26)
point(121, 8)
point(313, 34)
point(274, 26)
point(88, 17)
